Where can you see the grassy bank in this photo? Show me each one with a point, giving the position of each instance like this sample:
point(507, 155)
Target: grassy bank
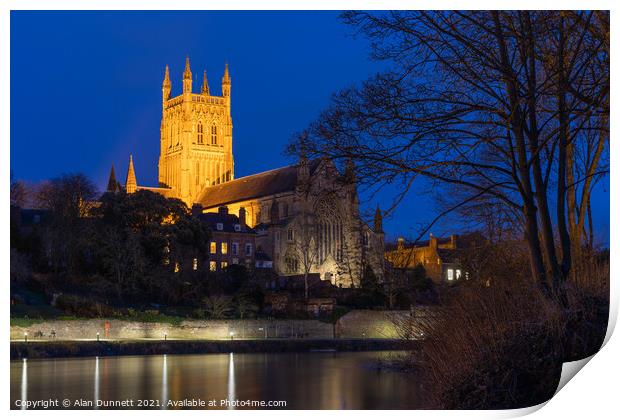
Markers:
point(34, 350)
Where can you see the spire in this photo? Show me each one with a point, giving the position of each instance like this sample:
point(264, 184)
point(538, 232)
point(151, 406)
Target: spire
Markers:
point(226, 82)
point(187, 74)
point(349, 171)
point(131, 185)
point(187, 77)
point(226, 75)
point(378, 228)
point(303, 172)
point(205, 84)
point(166, 86)
point(167, 77)
point(112, 183)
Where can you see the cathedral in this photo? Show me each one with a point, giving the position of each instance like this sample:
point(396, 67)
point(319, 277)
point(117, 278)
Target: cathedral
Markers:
point(305, 216)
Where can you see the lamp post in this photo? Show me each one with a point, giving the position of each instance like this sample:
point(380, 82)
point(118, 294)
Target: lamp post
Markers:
point(26, 337)
point(232, 335)
point(97, 336)
point(165, 336)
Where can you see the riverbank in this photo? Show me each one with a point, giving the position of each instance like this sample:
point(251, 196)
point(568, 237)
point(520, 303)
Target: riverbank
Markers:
point(356, 324)
point(57, 349)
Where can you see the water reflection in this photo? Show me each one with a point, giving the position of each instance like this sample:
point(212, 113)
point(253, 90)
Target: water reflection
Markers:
point(24, 394)
point(164, 384)
point(96, 393)
point(303, 380)
point(231, 380)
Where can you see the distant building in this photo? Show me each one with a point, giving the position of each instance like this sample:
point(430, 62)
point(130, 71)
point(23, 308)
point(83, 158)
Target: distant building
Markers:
point(440, 257)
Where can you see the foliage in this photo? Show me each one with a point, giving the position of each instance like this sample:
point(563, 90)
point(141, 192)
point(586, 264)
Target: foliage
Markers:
point(218, 306)
point(502, 346)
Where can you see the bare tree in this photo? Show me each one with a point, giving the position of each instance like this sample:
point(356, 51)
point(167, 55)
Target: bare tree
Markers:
point(305, 246)
point(488, 103)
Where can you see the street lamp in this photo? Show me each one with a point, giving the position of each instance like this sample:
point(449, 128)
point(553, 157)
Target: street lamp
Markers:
point(26, 337)
point(232, 335)
point(165, 336)
point(97, 336)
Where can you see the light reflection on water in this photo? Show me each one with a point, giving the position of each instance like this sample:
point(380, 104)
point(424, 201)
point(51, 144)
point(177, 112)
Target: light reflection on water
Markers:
point(303, 380)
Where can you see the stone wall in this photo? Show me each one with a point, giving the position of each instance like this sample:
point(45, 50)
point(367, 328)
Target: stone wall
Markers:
point(385, 324)
point(355, 324)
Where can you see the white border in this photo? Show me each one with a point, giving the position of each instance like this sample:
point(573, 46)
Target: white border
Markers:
point(593, 394)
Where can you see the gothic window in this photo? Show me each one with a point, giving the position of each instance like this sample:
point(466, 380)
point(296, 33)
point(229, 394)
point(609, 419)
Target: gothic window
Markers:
point(292, 263)
point(200, 134)
point(290, 235)
point(213, 134)
point(329, 229)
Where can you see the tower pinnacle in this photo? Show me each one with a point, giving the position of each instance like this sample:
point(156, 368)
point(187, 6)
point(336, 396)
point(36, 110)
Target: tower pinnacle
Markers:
point(378, 227)
point(166, 86)
point(187, 77)
point(167, 77)
point(112, 183)
point(205, 85)
point(131, 185)
point(226, 82)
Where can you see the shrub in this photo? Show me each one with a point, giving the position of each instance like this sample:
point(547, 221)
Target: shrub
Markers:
point(493, 347)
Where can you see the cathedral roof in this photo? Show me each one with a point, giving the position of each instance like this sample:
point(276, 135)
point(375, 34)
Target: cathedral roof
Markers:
point(259, 185)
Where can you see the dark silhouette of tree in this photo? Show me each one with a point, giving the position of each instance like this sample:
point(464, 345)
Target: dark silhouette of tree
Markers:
point(506, 110)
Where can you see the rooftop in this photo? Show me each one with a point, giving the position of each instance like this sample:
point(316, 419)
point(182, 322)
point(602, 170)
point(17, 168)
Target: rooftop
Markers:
point(262, 184)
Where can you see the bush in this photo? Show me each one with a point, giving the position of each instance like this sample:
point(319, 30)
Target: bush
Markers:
point(502, 346)
point(493, 347)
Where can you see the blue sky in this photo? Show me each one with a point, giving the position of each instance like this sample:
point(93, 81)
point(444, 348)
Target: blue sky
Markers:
point(86, 90)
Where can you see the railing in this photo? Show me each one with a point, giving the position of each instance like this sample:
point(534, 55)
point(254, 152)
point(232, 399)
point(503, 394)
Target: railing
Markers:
point(211, 100)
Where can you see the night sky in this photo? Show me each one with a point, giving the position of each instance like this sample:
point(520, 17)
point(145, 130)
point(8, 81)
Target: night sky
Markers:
point(86, 91)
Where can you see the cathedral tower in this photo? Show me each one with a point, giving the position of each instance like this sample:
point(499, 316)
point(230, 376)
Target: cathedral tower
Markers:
point(195, 137)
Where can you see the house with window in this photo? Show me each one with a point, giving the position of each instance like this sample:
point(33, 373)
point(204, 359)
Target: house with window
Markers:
point(440, 257)
point(232, 241)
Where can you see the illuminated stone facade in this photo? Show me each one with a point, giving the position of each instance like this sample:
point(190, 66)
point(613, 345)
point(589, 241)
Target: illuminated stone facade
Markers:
point(438, 256)
point(306, 215)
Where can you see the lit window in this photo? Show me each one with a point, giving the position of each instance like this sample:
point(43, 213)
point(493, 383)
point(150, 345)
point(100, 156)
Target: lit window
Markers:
point(224, 264)
point(220, 226)
point(212, 265)
point(195, 264)
point(450, 274)
point(176, 267)
point(290, 235)
point(248, 249)
point(213, 247)
point(224, 248)
point(214, 134)
point(458, 274)
point(200, 134)
point(235, 248)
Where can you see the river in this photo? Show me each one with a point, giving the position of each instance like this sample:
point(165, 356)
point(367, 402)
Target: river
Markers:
point(315, 380)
